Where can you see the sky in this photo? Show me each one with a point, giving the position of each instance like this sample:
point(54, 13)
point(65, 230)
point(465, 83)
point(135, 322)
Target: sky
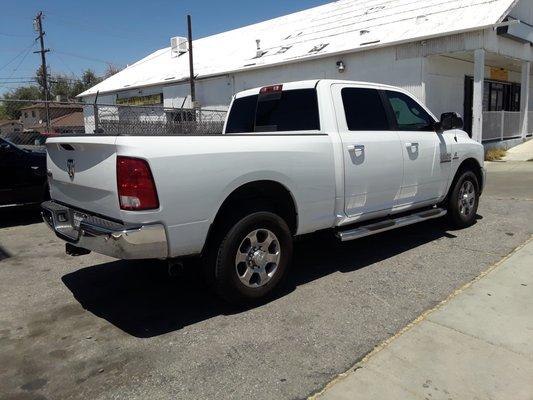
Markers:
point(92, 34)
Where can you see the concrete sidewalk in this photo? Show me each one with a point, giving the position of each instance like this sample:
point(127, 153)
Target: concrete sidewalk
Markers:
point(477, 345)
point(522, 152)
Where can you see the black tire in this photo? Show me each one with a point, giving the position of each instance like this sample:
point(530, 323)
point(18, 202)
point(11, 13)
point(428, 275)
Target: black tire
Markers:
point(462, 210)
point(225, 270)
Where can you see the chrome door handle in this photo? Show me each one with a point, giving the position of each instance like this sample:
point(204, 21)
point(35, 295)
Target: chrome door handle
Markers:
point(357, 148)
point(411, 145)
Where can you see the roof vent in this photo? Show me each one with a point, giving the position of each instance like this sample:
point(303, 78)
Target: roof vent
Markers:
point(364, 32)
point(374, 9)
point(179, 45)
point(260, 53)
point(319, 47)
point(284, 49)
point(421, 18)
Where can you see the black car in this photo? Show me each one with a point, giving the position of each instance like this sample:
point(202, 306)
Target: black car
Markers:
point(22, 175)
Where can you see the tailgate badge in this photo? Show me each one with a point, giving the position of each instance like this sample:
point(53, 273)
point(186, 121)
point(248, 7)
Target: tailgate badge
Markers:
point(71, 168)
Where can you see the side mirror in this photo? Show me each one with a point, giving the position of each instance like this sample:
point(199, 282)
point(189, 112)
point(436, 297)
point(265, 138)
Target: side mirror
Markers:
point(451, 120)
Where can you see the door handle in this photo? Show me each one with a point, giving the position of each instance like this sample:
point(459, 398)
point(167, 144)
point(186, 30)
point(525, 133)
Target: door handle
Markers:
point(411, 145)
point(355, 147)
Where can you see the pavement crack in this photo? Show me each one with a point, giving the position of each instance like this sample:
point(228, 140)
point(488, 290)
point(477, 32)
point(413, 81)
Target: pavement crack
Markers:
point(500, 346)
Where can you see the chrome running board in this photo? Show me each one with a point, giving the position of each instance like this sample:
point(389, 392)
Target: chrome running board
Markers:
point(389, 224)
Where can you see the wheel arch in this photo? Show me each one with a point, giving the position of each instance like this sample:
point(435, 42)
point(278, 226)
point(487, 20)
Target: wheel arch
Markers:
point(469, 164)
point(268, 193)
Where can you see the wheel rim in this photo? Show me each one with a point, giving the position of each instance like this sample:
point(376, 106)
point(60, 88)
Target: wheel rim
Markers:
point(467, 199)
point(258, 258)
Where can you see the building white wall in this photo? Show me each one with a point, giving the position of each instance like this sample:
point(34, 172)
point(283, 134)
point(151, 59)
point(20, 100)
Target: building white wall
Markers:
point(445, 83)
point(380, 66)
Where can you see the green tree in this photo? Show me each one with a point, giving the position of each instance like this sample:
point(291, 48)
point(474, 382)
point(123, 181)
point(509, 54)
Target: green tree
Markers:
point(12, 108)
point(87, 81)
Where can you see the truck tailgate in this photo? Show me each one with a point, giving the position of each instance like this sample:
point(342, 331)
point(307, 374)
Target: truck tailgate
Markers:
point(82, 173)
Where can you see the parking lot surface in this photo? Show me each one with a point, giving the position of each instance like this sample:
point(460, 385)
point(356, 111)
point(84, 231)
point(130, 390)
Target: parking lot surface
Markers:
point(94, 327)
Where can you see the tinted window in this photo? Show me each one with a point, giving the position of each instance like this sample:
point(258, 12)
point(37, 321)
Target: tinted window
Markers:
point(364, 110)
point(291, 110)
point(242, 115)
point(410, 116)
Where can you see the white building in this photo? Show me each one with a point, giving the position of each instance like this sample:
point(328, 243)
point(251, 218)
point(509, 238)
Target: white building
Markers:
point(468, 56)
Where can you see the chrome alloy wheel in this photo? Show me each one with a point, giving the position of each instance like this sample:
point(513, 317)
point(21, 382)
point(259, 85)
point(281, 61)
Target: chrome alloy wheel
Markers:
point(258, 258)
point(467, 198)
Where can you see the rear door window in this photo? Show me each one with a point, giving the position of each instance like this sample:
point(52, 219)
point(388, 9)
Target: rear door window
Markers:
point(410, 116)
point(291, 110)
point(364, 110)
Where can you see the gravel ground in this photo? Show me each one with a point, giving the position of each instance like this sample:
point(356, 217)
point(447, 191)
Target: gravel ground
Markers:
point(93, 327)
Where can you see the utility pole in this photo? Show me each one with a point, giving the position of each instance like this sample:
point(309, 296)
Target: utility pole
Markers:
point(38, 25)
point(191, 61)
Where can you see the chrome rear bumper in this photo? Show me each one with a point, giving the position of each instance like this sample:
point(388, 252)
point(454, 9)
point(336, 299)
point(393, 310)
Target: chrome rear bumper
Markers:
point(103, 236)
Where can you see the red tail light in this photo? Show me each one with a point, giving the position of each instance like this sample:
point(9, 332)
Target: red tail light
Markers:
point(136, 187)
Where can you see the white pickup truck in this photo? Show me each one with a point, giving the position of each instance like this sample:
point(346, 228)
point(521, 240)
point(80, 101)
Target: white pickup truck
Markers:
point(353, 158)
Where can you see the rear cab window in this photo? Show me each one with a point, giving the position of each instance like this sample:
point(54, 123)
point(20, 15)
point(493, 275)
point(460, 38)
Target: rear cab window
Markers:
point(282, 111)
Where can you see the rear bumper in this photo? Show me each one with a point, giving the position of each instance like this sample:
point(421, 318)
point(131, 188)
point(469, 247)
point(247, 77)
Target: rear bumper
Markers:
point(104, 236)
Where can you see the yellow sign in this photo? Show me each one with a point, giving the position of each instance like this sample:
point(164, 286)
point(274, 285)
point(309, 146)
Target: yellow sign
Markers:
point(499, 74)
point(152, 100)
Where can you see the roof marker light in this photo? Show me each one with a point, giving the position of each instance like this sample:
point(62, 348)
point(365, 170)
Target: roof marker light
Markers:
point(271, 89)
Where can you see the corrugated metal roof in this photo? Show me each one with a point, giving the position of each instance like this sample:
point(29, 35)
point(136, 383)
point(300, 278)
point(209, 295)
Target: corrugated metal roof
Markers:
point(341, 26)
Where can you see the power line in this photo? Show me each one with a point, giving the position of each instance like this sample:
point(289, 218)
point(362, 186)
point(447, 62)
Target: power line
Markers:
point(84, 57)
point(64, 63)
point(18, 55)
point(88, 26)
point(21, 61)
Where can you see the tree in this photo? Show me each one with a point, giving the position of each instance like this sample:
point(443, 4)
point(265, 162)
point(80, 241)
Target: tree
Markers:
point(12, 108)
point(87, 81)
point(111, 70)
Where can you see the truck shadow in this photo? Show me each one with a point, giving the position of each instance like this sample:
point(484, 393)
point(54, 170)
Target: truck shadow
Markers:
point(20, 215)
point(140, 299)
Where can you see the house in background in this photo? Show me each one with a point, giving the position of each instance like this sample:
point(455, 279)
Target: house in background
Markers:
point(469, 57)
point(8, 127)
point(34, 117)
point(71, 123)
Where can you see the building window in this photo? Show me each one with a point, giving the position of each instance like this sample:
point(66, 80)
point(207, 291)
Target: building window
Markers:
point(497, 96)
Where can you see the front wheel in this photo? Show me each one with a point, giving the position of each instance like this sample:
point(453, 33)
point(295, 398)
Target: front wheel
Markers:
point(252, 258)
point(464, 200)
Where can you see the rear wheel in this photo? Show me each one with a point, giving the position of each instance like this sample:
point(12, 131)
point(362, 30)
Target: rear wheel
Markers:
point(464, 200)
point(252, 258)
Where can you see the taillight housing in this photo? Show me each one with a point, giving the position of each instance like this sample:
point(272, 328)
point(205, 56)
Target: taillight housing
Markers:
point(136, 186)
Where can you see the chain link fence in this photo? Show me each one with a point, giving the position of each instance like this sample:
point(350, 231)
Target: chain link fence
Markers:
point(29, 123)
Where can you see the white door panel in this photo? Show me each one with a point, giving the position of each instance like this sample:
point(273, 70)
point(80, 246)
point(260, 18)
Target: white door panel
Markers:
point(426, 153)
point(426, 166)
point(373, 165)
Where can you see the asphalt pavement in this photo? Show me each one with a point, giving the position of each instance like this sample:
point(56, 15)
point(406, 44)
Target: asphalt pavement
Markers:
point(94, 327)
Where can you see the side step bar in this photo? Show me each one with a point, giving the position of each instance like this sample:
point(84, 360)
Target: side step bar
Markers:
point(387, 225)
